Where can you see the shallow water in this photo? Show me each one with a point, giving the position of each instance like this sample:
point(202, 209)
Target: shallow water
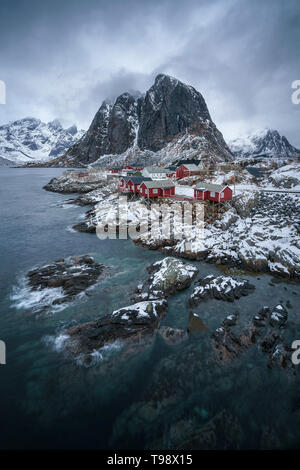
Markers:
point(49, 400)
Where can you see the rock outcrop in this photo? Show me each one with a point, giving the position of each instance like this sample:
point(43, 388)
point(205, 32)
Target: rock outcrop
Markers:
point(71, 275)
point(166, 277)
point(266, 331)
point(134, 324)
point(221, 288)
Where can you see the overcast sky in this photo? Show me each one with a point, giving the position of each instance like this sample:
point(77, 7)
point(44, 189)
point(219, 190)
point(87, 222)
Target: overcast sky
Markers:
point(61, 58)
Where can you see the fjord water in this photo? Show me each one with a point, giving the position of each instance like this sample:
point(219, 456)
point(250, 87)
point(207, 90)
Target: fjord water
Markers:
point(50, 400)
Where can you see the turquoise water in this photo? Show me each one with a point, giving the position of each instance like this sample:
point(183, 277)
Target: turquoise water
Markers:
point(49, 400)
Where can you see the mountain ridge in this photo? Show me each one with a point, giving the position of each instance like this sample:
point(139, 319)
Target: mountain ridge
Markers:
point(135, 128)
point(31, 140)
point(263, 142)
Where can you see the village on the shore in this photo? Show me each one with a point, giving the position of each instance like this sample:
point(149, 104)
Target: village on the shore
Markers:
point(175, 182)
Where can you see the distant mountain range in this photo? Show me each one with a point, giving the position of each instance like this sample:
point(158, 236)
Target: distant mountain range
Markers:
point(31, 140)
point(265, 143)
point(170, 121)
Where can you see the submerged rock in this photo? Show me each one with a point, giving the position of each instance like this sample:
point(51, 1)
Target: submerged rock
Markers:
point(166, 277)
point(172, 336)
point(73, 275)
point(223, 431)
point(221, 288)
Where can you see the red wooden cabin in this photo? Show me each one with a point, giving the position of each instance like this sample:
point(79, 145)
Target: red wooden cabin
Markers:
point(213, 192)
point(157, 188)
point(131, 184)
point(187, 170)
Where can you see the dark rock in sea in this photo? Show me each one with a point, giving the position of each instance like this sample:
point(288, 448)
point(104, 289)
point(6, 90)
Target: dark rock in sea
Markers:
point(228, 344)
point(266, 333)
point(278, 317)
point(221, 288)
point(166, 277)
point(260, 319)
point(231, 320)
point(73, 275)
point(196, 325)
point(133, 324)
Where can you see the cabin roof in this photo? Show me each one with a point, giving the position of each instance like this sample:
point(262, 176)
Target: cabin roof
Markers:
point(158, 184)
point(190, 166)
point(156, 169)
point(187, 162)
point(210, 187)
point(135, 179)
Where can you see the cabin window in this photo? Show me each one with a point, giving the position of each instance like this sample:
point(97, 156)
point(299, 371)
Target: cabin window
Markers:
point(212, 194)
point(138, 186)
point(155, 191)
point(222, 195)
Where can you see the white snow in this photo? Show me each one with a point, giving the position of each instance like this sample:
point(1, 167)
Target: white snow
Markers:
point(29, 140)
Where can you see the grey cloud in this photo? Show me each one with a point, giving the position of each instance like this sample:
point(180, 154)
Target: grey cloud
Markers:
point(62, 58)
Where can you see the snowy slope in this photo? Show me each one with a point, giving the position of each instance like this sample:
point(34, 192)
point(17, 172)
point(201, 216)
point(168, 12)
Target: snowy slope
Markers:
point(263, 142)
point(287, 177)
point(30, 139)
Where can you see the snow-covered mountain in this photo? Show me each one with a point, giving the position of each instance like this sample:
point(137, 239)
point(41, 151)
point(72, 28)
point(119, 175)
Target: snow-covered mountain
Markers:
point(265, 142)
point(169, 122)
point(31, 140)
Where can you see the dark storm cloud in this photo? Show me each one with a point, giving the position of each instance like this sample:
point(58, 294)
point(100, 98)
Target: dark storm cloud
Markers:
point(62, 58)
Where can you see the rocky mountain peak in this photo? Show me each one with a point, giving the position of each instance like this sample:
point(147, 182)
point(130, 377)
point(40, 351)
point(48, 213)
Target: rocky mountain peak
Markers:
point(263, 143)
point(169, 108)
point(138, 124)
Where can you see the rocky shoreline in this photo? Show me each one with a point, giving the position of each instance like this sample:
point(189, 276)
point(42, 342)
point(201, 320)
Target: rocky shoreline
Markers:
point(259, 233)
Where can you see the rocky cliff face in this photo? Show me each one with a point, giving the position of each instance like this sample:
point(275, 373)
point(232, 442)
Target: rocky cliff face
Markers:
point(266, 143)
point(139, 128)
point(113, 130)
point(169, 108)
